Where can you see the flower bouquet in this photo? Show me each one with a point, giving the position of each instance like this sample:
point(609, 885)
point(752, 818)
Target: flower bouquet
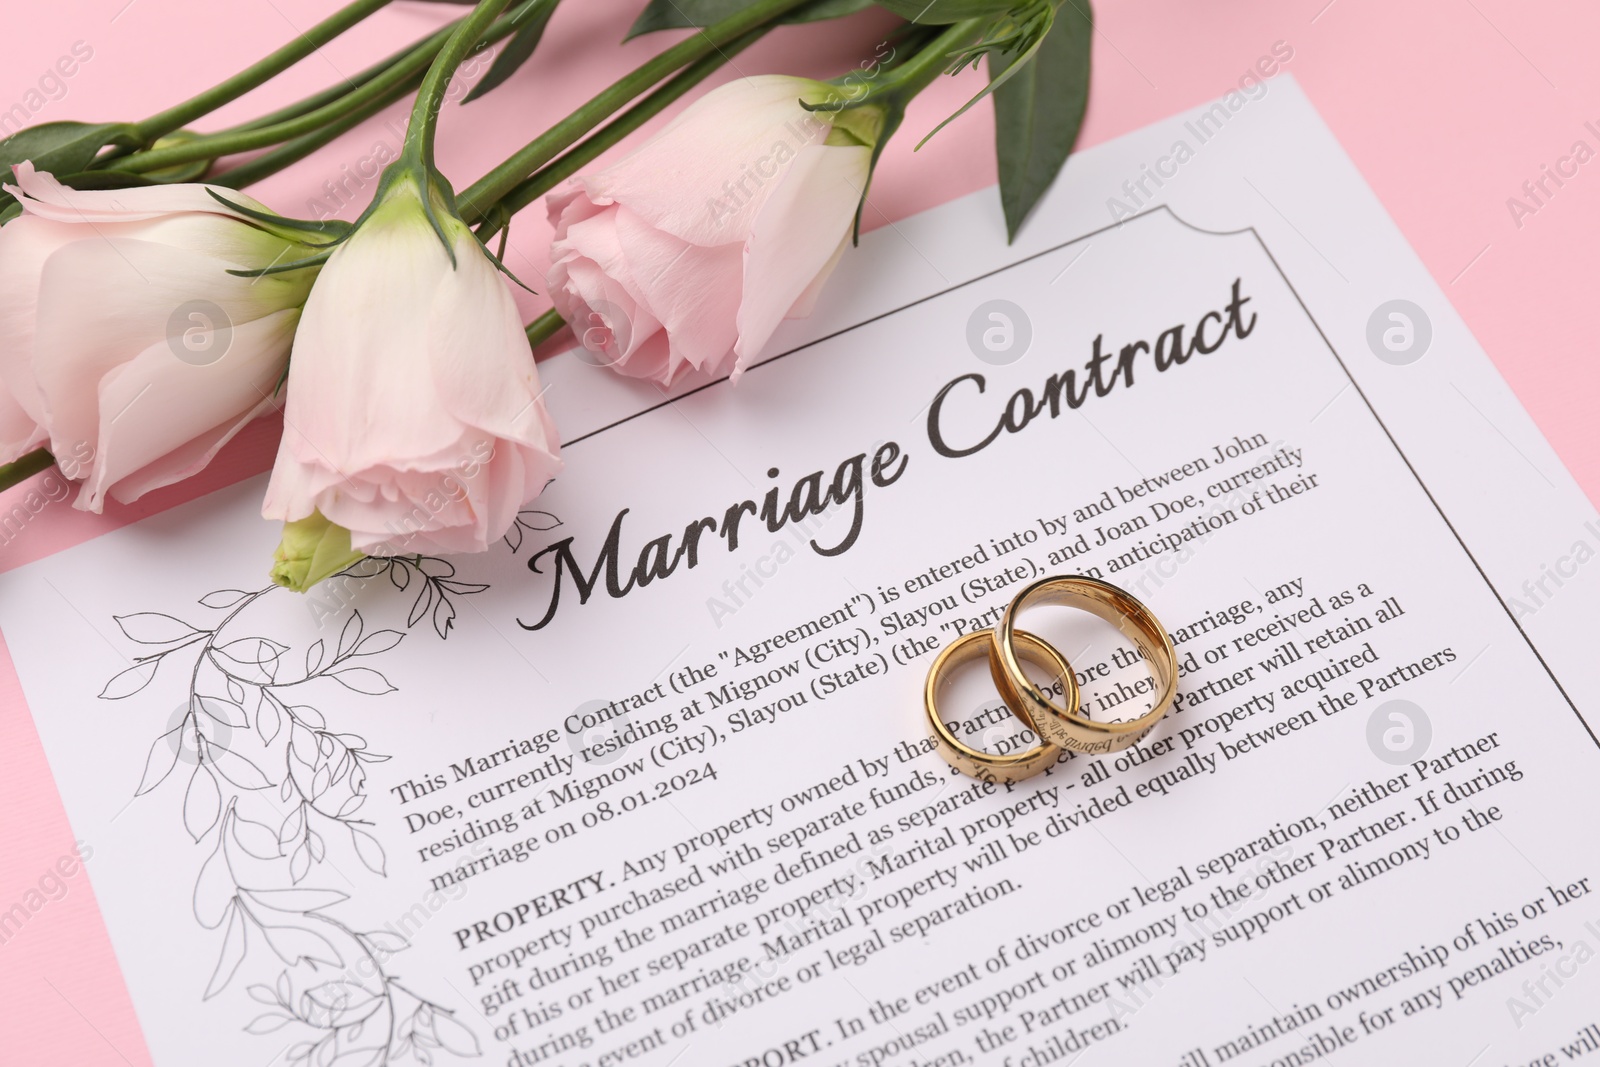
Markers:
point(149, 309)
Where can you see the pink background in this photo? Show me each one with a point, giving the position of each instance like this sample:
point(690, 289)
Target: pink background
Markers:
point(1447, 107)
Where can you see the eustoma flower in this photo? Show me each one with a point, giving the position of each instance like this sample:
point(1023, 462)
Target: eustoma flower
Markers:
point(414, 417)
point(415, 421)
point(688, 253)
point(125, 342)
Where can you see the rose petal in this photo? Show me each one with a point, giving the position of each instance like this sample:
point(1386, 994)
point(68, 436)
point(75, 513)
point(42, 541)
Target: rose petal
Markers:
point(163, 419)
point(483, 369)
point(725, 155)
point(359, 391)
point(141, 291)
point(796, 239)
point(694, 292)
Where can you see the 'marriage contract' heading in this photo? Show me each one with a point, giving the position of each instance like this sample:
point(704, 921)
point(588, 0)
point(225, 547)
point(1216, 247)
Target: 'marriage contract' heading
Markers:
point(817, 493)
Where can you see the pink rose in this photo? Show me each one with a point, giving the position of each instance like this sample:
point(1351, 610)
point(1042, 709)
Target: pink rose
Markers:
point(123, 339)
point(414, 417)
point(689, 252)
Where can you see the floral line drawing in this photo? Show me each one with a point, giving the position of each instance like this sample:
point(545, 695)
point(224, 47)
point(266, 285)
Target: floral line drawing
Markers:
point(270, 784)
point(529, 520)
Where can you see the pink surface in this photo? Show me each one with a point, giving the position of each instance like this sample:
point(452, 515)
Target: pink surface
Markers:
point(1446, 107)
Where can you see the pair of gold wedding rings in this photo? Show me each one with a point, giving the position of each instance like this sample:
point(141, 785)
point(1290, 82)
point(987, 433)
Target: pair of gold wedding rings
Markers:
point(1059, 726)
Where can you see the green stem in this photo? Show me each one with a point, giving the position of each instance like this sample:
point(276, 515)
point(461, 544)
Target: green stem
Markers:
point(536, 185)
point(159, 125)
point(228, 143)
point(492, 187)
point(291, 152)
point(544, 327)
point(923, 69)
point(296, 149)
point(25, 467)
point(430, 98)
point(431, 44)
point(304, 127)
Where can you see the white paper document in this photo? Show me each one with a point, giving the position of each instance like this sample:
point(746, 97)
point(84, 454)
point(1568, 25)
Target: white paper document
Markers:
point(650, 782)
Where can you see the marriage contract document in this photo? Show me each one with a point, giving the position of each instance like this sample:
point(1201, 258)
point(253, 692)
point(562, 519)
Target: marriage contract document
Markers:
point(650, 783)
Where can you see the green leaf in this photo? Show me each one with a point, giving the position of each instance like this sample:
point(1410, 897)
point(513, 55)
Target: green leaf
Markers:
point(943, 12)
point(1003, 39)
point(60, 147)
point(683, 14)
point(531, 21)
point(63, 146)
point(1038, 111)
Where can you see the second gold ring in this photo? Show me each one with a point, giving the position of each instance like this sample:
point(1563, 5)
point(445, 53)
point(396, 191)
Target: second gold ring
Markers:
point(1068, 726)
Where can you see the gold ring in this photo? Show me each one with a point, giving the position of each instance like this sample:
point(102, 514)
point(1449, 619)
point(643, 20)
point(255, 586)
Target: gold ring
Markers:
point(1069, 727)
point(988, 766)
